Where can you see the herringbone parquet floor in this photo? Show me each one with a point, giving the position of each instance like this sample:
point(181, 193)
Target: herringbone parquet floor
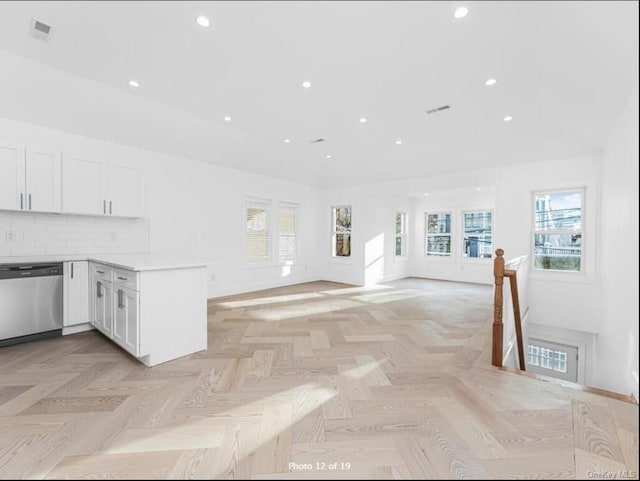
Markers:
point(321, 381)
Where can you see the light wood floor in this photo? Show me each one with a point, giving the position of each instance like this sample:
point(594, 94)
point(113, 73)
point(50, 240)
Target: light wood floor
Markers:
point(321, 381)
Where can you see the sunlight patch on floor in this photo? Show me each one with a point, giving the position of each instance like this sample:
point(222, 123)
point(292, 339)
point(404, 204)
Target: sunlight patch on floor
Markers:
point(269, 300)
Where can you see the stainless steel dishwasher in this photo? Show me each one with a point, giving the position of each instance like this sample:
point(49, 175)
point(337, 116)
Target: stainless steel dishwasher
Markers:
point(30, 302)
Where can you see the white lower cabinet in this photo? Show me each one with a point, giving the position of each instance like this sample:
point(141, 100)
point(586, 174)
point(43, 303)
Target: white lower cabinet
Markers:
point(126, 329)
point(116, 307)
point(155, 315)
point(75, 286)
point(103, 307)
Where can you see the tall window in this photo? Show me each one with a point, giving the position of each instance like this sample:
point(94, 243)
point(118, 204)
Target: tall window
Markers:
point(557, 239)
point(257, 237)
point(401, 234)
point(287, 232)
point(477, 228)
point(438, 234)
point(341, 231)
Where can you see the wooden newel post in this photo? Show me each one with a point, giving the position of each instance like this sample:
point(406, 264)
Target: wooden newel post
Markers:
point(498, 273)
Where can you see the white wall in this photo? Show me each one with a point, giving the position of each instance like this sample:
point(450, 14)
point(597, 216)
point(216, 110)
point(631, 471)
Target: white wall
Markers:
point(455, 267)
point(373, 235)
point(192, 208)
point(617, 341)
point(566, 300)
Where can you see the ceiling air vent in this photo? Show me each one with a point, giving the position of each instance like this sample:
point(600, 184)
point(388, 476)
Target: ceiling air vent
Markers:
point(40, 30)
point(438, 109)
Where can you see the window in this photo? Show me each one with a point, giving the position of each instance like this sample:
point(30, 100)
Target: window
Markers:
point(401, 234)
point(552, 359)
point(477, 228)
point(547, 358)
point(287, 232)
point(341, 231)
point(557, 239)
point(438, 234)
point(257, 240)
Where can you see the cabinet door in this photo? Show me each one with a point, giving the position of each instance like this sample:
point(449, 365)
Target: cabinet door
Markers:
point(12, 177)
point(125, 191)
point(76, 293)
point(44, 181)
point(103, 307)
point(82, 186)
point(126, 328)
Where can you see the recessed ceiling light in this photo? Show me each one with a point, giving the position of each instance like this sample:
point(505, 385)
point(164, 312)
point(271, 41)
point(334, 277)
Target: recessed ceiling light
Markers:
point(398, 142)
point(306, 84)
point(426, 194)
point(508, 118)
point(490, 82)
point(287, 141)
point(461, 12)
point(478, 189)
point(227, 119)
point(203, 21)
point(134, 84)
point(328, 156)
point(363, 120)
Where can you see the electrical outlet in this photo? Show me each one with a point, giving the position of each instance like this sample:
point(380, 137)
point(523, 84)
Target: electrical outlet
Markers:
point(10, 236)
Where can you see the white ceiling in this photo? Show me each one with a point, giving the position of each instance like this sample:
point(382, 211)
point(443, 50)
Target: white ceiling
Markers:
point(564, 71)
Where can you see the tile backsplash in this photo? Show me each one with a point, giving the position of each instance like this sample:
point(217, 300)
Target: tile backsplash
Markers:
point(23, 234)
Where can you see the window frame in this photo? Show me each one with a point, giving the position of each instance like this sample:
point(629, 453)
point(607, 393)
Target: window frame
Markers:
point(404, 234)
point(465, 258)
point(334, 234)
point(425, 252)
point(583, 238)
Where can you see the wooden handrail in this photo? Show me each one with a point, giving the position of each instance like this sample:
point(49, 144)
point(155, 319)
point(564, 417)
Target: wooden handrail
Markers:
point(499, 273)
point(498, 334)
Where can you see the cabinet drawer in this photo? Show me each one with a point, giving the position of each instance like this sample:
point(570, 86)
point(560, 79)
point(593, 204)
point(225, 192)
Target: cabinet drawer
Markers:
point(125, 279)
point(101, 272)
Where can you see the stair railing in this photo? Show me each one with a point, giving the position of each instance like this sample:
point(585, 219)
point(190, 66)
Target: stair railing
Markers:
point(499, 273)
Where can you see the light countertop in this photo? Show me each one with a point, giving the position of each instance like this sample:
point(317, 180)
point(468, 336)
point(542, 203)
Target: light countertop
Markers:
point(134, 262)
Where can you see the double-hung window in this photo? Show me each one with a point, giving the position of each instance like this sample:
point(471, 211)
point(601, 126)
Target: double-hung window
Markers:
point(438, 234)
point(257, 232)
point(287, 232)
point(557, 238)
point(341, 231)
point(401, 234)
point(477, 231)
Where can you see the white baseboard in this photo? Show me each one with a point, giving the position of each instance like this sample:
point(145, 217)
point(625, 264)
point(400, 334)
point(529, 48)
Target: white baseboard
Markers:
point(633, 383)
point(77, 328)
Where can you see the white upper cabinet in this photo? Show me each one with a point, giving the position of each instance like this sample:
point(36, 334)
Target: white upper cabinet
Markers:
point(30, 179)
point(83, 185)
point(12, 177)
point(97, 187)
point(43, 181)
point(125, 191)
point(39, 180)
